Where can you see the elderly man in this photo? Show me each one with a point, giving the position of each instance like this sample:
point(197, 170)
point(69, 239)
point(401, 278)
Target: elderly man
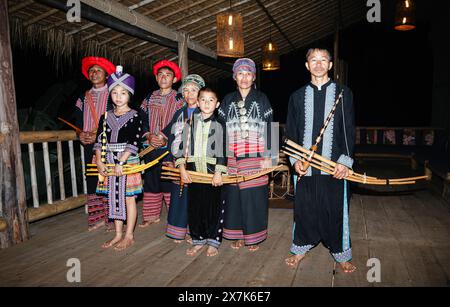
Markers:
point(321, 200)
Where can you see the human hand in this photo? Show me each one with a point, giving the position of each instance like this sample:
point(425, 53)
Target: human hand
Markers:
point(168, 164)
point(101, 168)
point(87, 138)
point(185, 177)
point(340, 171)
point(298, 166)
point(217, 180)
point(156, 140)
point(118, 170)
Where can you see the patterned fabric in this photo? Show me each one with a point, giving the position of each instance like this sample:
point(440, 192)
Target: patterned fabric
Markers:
point(259, 117)
point(96, 210)
point(91, 107)
point(246, 214)
point(345, 256)
point(124, 80)
point(202, 143)
point(152, 205)
point(308, 108)
point(177, 218)
point(244, 64)
point(300, 250)
point(159, 110)
point(245, 167)
point(193, 79)
point(122, 134)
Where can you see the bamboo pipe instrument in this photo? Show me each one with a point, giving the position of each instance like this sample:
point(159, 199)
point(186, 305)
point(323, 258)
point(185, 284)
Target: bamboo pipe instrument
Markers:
point(328, 166)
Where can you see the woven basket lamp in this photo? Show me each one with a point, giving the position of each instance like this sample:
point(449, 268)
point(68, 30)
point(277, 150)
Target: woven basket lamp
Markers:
point(230, 36)
point(270, 56)
point(405, 18)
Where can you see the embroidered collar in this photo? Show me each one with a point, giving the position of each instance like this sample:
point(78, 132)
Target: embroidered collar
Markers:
point(100, 89)
point(252, 95)
point(198, 113)
point(323, 86)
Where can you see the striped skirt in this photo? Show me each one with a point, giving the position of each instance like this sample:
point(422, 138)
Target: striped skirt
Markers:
point(246, 204)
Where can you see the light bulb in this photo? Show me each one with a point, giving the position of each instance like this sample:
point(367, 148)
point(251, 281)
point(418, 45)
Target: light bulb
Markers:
point(230, 20)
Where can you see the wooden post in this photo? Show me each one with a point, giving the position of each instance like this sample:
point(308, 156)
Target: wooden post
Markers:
point(183, 54)
point(12, 184)
point(336, 63)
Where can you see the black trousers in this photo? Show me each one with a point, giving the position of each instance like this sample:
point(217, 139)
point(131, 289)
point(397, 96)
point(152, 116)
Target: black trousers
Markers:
point(205, 214)
point(152, 176)
point(91, 181)
point(321, 214)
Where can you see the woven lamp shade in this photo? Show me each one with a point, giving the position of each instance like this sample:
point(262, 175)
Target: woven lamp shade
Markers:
point(405, 18)
point(230, 36)
point(270, 56)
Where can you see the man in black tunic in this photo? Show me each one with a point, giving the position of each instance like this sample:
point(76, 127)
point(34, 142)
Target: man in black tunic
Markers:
point(321, 200)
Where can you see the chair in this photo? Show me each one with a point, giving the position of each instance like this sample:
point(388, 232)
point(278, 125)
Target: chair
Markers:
point(285, 173)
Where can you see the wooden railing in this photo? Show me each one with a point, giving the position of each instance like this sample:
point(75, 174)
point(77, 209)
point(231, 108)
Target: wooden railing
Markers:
point(49, 139)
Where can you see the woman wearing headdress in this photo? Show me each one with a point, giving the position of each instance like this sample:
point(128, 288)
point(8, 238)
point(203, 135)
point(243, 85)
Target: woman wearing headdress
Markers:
point(177, 219)
point(248, 116)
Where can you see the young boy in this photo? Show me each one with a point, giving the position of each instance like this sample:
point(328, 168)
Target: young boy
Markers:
point(157, 111)
point(204, 152)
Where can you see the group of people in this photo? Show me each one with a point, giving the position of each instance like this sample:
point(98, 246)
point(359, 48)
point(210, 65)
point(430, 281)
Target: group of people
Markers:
point(204, 134)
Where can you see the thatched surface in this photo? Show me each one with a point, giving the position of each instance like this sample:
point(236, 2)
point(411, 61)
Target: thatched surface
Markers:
point(34, 25)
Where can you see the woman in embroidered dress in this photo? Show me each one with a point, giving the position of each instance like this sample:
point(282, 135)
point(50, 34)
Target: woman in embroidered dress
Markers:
point(248, 116)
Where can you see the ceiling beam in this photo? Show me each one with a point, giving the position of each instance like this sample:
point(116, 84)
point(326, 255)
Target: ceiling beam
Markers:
point(275, 23)
point(140, 27)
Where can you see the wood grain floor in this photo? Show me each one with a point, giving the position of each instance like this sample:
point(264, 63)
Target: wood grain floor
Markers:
point(409, 234)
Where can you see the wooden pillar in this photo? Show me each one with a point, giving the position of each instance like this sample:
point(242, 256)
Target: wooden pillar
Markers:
point(183, 60)
point(12, 183)
point(336, 63)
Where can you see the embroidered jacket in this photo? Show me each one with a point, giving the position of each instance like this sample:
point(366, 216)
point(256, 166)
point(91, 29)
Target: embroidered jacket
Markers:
point(157, 110)
point(202, 145)
point(90, 106)
point(258, 115)
point(308, 108)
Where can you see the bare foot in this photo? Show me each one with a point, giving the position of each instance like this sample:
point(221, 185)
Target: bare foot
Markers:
point(112, 242)
point(124, 244)
point(110, 227)
point(148, 223)
point(294, 260)
point(177, 241)
point(253, 248)
point(347, 267)
point(97, 226)
point(212, 251)
point(189, 240)
point(194, 250)
point(237, 244)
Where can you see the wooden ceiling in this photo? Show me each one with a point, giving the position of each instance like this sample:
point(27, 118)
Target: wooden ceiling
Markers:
point(302, 21)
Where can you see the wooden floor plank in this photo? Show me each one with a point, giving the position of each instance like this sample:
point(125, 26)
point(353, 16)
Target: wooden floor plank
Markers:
point(408, 234)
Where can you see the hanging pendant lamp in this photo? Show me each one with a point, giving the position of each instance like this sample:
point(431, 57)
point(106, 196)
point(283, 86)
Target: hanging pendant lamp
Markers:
point(270, 55)
point(405, 18)
point(230, 35)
